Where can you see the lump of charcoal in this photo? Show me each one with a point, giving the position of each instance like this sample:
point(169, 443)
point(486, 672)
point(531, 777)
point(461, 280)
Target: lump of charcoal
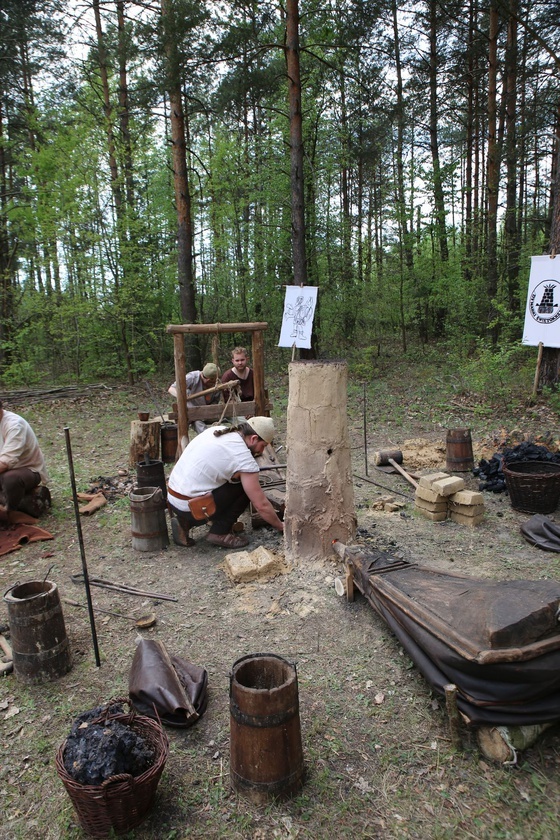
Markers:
point(97, 712)
point(96, 751)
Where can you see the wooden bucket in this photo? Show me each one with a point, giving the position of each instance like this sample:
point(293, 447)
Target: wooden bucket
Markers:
point(40, 647)
point(459, 451)
point(149, 525)
point(266, 757)
point(169, 443)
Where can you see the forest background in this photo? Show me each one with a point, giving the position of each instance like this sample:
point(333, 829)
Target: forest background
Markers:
point(147, 176)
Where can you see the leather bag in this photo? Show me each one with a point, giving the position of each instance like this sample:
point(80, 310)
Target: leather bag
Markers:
point(202, 507)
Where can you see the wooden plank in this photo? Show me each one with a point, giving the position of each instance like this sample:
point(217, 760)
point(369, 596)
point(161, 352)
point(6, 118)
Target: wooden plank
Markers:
point(258, 373)
point(214, 412)
point(181, 385)
point(203, 329)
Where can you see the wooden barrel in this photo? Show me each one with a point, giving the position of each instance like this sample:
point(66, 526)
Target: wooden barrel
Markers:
point(152, 474)
point(459, 451)
point(169, 443)
point(149, 525)
point(266, 757)
point(40, 647)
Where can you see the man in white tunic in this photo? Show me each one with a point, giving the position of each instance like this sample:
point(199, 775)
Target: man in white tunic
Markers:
point(22, 465)
point(220, 461)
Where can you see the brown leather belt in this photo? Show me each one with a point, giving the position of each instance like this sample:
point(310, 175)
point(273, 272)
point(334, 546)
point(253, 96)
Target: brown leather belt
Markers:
point(180, 495)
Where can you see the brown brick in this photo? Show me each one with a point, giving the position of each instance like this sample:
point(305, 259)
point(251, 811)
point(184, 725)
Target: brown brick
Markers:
point(466, 520)
point(448, 486)
point(429, 495)
point(467, 497)
point(466, 510)
point(434, 507)
point(428, 480)
point(435, 517)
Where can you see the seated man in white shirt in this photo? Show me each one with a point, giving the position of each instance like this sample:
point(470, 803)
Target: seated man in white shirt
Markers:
point(22, 466)
point(220, 463)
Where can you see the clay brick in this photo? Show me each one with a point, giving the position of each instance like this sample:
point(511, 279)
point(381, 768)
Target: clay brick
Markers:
point(466, 510)
point(429, 495)
point(428, 480)
point(467, 497)
point(448, 486)
point(466, 520)
point(435, 507)
point(435, 517)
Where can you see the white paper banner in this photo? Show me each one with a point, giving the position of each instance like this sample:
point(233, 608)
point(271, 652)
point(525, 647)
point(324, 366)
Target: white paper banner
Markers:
point(542, 315)
point(297, 320)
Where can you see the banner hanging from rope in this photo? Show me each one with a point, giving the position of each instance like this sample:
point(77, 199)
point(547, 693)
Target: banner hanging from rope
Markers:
point(297, 320)
point(542, 314)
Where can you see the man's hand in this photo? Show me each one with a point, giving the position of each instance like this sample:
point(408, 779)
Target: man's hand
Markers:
point(262, 505)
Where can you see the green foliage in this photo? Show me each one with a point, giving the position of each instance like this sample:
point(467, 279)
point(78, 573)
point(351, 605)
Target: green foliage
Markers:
point(501, 373)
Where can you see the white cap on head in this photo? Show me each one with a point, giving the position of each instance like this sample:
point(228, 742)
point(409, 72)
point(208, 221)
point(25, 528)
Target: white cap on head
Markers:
point(263, 427)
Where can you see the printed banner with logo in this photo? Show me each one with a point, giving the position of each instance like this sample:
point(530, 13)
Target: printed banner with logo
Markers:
point(542, 315)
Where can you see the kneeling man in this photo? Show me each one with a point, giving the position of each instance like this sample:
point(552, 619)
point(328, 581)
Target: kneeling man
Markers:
point(22, 465)
point(220, 462)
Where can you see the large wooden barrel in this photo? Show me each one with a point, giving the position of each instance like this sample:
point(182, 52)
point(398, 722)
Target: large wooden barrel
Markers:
point(40, 646)
point(459, 451)
point(266, 757)
point(149, 526)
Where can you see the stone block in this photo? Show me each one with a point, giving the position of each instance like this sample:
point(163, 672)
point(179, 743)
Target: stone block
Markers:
point(449, 485)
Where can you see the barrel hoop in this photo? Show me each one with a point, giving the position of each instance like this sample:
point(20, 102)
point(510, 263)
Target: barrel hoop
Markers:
point(49, 653)
point(37, 618)
point(262, 721)
point(276, 787)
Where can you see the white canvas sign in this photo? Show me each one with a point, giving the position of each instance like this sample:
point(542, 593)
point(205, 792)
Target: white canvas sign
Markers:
point(297, 320)
point(542, 315)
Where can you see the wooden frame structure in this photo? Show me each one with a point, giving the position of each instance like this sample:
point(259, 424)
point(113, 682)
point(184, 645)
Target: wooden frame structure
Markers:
point(214, 412)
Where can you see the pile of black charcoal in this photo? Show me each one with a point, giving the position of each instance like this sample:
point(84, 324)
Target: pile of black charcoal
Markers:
point(490, 472)
point(95, 751)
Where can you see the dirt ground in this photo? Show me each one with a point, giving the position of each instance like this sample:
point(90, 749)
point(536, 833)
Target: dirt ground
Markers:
point(379, 761)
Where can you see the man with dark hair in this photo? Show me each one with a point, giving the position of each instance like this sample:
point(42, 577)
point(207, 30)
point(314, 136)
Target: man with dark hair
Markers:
point(22, 465)
point(219, 467)
point(242, 373)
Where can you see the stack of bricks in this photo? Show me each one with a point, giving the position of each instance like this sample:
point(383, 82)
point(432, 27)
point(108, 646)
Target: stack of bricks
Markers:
point(439, 495)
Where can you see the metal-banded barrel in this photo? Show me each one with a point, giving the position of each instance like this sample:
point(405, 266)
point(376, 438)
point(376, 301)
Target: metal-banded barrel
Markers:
point(459, 451)
point(169, 443)
point(266, 757)
point(152, 474)
point(40, 646)
point(149, 526)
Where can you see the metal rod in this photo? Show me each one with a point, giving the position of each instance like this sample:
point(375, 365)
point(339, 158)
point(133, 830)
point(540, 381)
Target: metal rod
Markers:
point(383, 486)
point(365, 431)
point(81, 543)
point(151, 393)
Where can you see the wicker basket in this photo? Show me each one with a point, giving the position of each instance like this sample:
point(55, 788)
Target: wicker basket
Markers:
point(533, 486)
point(122, 802)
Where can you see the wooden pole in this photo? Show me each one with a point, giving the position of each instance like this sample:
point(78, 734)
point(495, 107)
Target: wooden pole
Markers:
point(181, 385)
point(258, 372)
point(537, 371)
point(204, 329)
point(453, 714)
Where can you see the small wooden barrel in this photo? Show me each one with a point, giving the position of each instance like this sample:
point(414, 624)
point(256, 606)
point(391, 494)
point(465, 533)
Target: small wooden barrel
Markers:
point(168, 443)
point(266, 757)
point(149, 526)
point(459, 451)
point(152, 474)
point(40, 647)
